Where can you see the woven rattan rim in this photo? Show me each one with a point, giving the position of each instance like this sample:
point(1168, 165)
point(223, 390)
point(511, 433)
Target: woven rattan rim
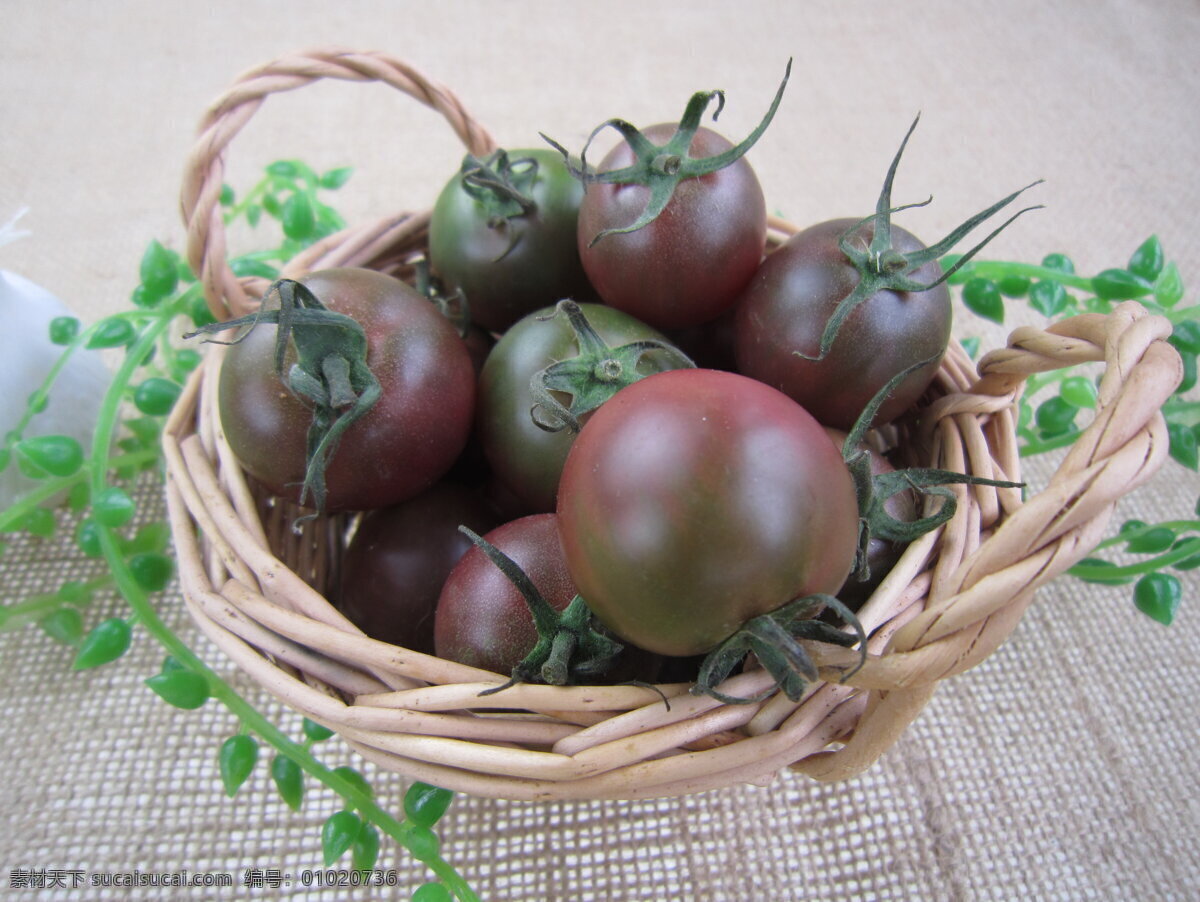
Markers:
point(955, 595)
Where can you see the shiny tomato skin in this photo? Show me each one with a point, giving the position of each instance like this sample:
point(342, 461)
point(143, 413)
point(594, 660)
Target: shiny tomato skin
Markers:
point(528, 460)
point(482, 620)
point(688, 265)
point(529, 262)
point(411, 436)
point(399, 557)
point(695, 500)
point(786, 305)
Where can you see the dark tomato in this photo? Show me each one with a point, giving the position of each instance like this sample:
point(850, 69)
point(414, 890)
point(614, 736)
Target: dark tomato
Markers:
point(400, 447)
point(695, 500)
point(688, 265)
point(526, 458)
point(482, 620)
point(528, 262)
point(787, 303)
point(399, 558)
point(881, 554)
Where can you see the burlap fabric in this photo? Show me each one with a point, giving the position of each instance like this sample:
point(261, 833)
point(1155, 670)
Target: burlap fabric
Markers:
point(1063, 767)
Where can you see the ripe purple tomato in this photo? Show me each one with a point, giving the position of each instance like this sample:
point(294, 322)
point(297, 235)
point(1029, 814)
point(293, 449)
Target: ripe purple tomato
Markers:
point(482, 619)
point(687, 266)
point(785, 307)
point(399, 557)
point(403, 444)
point(695, 500)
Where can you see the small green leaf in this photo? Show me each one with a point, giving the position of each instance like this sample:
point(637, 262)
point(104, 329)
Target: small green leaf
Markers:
point(424, 804)
point(1188, 382)
point(421, 842)
point(1059, 263)
point(1186, 336)
point(1158, 595)
point(181, 688)
point(271, 205)
point(338, 834)
point(1147, 260)
point(982, 297)
point(1120, 285)
point(971, 346)
point(1184, 445)
point(297, 216)
point(156, 396)
point(335, 178)
point(150, 537)
point(1014, 286)
point(112, 332)
point(350, 775)
point(1056, 415)
point(107, 641)
point(289, 780)
point(49, 455)
point(1168, 287)
point(284, 169)
point(159, 271)
point(63, 330)
point(87, 537)
point(113, 507)
point(1188, 563)
point(228, 197)
point(1048, 298)
point(364, 854)
point(432, 892)
point(64, 625)
point(236, 761)
point(1132, 526)
point(1078, 391)
point(1152, 541)
point(1098, 566)
point(253, 215)
point(315, 731)
point(40, 522)
point(152, 570)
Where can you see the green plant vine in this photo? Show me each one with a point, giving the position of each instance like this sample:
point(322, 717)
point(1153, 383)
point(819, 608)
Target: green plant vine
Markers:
point(97, 481)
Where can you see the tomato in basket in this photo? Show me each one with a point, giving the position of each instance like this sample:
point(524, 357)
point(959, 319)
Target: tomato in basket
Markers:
point(696, 500)
point(308, 433)
point(482, 618)
point(503, 232)
point(524, 450)
point(399, 557)
point(672, 224)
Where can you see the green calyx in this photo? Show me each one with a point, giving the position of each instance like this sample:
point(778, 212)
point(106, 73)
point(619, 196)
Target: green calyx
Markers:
point(454, 305)
point(662, 167)
point(500, 185)
point(774, 639)
point(569, 649)
point(330, 375)
point(881, 267)
point(873, 491)
point(592, 377)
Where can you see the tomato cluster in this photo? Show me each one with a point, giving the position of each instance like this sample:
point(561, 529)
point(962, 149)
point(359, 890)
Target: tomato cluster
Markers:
point(613, 492)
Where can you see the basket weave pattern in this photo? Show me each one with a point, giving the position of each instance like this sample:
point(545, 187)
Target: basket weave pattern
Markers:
point(252, 583)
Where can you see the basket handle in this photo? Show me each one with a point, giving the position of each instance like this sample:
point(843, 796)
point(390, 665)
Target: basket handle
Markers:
point(224, 292)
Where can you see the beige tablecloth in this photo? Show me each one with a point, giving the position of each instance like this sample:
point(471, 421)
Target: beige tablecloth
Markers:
point(1064, 767)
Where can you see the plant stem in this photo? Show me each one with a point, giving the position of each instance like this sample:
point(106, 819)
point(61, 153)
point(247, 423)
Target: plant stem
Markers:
point(1180, 552)
point(249, 716)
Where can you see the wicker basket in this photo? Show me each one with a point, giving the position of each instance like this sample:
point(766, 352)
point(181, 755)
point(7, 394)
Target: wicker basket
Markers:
point(248, 578)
